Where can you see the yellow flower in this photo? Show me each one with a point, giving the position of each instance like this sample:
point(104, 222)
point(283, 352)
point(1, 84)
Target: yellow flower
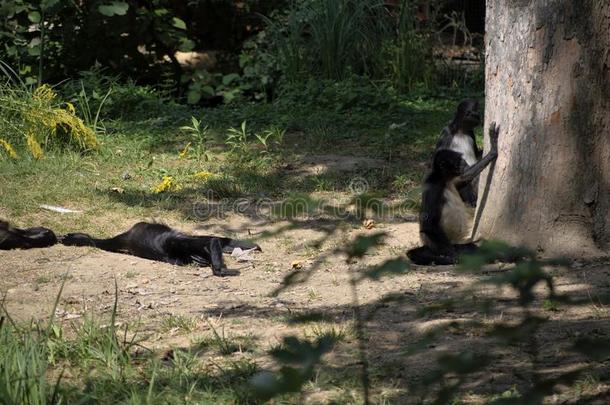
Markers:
point(70, 108)
point(77, 129)
point(34, 146)
point(167, 184)
point(63, 121)
point(204, 175)
point(8, 148)
point(44, 93)
point(185, 151)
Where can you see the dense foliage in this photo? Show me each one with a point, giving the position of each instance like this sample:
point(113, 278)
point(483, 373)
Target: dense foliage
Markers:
point(211, 51)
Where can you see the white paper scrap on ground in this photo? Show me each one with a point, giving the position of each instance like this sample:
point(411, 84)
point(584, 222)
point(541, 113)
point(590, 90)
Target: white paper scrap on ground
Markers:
point(61, 210)
point(242, 255)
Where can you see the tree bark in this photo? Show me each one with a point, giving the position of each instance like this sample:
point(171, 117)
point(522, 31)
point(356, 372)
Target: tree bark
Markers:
point(548, 87)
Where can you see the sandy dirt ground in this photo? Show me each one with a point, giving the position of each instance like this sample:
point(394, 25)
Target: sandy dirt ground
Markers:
point(242, 303)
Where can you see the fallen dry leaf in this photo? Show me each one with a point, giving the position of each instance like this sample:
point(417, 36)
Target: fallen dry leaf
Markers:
point(369, 223)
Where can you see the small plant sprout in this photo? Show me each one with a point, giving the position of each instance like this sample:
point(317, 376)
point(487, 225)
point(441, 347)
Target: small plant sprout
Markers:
point(200, 136)
point(181, 323)
point(270, 136)
point(237, 139)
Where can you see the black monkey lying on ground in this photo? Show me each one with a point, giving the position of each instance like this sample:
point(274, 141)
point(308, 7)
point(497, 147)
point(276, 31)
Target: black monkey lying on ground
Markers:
point(15, 238)
point(445, 220)
point(458, 136)
point(162, 243)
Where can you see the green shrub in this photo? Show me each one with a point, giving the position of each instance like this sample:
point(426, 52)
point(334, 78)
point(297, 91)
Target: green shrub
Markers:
point(37, 120)
point(114, 98)
point(410, 52)
point(61, 37)
point(260, 67)
point(329, 38)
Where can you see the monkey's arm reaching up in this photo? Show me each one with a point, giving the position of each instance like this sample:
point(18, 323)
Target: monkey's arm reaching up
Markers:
point(473, 171)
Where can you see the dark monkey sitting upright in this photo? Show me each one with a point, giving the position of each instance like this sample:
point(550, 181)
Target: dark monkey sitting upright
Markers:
point(458, 136)
point(445, 219)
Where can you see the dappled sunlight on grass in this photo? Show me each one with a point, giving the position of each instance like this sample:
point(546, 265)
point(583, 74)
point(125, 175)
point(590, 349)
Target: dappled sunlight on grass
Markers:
point(136, 155)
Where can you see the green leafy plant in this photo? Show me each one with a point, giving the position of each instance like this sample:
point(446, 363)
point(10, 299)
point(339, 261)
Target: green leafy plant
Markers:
point(237, 139)
point(345, 35)
point(122, 99)
point(269, 137)
point(287, 42)
point(203, 84)
point(23, 366)
point(40, 40)
point(402, 183)
point(28, 43)
point(113, 8)
point(200, 135)
point(523, 278)
point(259, 66)
point(36, 357)
point(179, 322)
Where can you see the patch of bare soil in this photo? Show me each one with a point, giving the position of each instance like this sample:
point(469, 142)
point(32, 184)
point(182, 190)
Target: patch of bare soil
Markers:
point(151, 291)
point(323, 164)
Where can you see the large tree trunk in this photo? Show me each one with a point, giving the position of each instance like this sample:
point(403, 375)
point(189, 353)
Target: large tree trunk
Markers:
point(548, 87)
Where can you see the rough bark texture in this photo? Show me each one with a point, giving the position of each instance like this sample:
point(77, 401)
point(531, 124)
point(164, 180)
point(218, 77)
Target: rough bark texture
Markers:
point(548, 87)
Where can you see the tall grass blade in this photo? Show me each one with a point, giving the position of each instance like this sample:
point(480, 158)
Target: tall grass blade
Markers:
point(12, 76)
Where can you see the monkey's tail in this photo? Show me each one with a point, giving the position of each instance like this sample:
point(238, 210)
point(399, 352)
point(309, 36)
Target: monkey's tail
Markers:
point(421, 256)
point(424, 256)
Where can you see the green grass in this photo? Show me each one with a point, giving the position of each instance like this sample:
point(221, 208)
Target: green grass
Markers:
point(23, 364)
point(95, 361)
point(225, 343)
point(131, 274)
point(180, 323)
point(338, 334)
point(99, 362)
point(137, 153)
